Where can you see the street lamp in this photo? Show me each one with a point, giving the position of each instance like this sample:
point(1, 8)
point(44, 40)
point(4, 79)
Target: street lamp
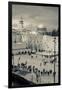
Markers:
point(13, 58)
point(54, 56)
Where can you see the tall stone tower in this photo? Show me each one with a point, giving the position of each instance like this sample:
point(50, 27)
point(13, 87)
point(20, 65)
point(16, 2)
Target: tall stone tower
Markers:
point(21, 22)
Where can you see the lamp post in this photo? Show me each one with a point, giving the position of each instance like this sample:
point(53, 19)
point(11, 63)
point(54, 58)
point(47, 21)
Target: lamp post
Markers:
point(13, 58)
point(54, 56)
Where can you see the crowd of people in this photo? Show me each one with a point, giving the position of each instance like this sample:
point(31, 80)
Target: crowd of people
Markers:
point(32, 69)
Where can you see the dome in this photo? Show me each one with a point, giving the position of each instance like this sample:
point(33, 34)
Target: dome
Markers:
point(41, 26)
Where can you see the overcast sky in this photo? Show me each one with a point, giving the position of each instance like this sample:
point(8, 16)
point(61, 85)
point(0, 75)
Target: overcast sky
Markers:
point(36, 15)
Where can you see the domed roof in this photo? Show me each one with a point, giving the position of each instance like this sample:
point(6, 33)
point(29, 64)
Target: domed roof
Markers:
point(40, 26)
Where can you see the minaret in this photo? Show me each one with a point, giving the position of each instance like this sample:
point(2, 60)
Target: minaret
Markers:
point(21, 22)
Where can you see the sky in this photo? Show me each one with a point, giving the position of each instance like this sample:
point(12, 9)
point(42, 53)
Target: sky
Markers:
point(43, 16)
